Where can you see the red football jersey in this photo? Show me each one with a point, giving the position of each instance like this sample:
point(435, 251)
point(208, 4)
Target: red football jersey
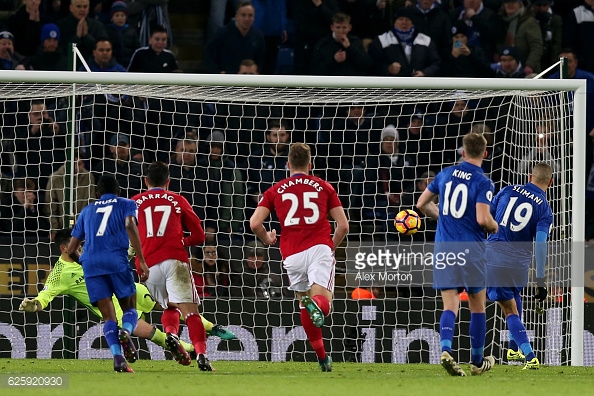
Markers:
point(162, 217)
point(302, 203)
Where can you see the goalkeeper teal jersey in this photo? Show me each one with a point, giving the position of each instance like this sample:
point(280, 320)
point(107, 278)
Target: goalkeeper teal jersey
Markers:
point(68, 279)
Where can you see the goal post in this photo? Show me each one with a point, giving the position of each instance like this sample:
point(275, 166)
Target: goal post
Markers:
point(316, 104)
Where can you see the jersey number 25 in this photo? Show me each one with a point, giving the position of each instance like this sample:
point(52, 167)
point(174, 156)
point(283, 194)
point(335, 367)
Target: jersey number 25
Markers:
point(291, 220)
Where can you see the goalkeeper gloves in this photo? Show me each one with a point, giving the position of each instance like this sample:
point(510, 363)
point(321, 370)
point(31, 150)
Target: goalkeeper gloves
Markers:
point(131, 252)
point(29, 305)
point(541, 290)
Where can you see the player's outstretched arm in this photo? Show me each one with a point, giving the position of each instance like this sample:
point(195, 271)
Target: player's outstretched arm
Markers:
point(342, 225)
point(132, 230)
point(485, 219)
point(257, 226)
point(74, 249)
point(427, 205)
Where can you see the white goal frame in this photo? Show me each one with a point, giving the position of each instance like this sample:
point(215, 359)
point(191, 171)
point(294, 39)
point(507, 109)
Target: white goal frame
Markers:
point(292, 81)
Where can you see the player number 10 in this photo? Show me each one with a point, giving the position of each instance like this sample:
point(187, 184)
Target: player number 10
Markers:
point(450, 201)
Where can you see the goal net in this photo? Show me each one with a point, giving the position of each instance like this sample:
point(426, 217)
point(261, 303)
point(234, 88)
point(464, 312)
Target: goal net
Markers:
point(377, 141)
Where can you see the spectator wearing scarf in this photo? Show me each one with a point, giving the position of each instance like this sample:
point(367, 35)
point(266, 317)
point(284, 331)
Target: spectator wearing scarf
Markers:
point(403, 51)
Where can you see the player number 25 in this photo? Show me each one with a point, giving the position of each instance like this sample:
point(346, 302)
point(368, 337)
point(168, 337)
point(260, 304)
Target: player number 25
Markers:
point(522, 215)
point(307, 204)
point(451, 200)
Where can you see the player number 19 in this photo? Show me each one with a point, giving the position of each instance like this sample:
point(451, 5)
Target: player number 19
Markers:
point(522, 215)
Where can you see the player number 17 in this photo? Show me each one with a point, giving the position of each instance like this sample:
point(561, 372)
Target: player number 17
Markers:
point(148, 212)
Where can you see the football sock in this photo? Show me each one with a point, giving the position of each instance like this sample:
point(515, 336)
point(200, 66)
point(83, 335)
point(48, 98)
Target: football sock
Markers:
point(478, 332)
point(314, 334)
point(323, 303)
point(512, 343)
point(516, 327)
point(207, 325)
point(197, 332)
point(129, 320)
point(170, 321)
point(110, 331)
point(446, 330)
point(158, 337)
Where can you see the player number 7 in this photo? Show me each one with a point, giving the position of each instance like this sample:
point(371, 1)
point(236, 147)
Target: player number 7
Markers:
point(106, 210)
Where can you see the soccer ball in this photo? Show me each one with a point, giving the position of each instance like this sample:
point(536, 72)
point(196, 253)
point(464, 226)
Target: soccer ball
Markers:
point(407, 222)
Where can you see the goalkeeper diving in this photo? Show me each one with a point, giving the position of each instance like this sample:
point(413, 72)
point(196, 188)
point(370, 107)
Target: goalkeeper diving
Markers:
point(67, 278)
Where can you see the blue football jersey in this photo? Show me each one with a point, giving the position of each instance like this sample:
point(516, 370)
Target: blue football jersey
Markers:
point(102, 225)
point(520, 212)
point(460, 188)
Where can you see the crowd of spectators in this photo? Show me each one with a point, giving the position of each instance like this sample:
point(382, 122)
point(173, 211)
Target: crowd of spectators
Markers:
point(222, 157)
point(457, 38)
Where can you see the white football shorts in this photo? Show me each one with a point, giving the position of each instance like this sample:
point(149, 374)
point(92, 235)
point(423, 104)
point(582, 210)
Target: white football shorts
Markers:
point(172, 281)
point(313, 265)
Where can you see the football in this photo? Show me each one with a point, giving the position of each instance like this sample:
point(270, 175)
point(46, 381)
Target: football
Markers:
point(407, 222)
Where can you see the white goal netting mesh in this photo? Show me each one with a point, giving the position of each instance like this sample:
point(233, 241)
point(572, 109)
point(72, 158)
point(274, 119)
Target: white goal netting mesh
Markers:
point(226, 146)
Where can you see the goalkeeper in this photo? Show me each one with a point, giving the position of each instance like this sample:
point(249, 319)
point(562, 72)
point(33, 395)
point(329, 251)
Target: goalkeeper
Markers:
point(67, 278)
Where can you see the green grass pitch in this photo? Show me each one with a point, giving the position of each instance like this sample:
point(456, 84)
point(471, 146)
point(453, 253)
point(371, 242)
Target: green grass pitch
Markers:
point(163, 378)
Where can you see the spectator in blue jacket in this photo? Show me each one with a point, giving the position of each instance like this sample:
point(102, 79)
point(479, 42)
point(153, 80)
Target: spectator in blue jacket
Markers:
point(271, 19)
point(403, 51)
point(239, 40)
point(123, 37)
point(102, 59)
point(510, 64)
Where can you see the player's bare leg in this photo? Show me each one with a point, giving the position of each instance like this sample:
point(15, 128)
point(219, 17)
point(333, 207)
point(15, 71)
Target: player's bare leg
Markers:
point(451, 303)
point(478, 331)
point(315, 304)
point(110, 331)
point(197, 334)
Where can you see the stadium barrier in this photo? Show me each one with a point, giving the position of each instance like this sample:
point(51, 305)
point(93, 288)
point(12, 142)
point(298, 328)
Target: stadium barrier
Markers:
point(381, 331)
